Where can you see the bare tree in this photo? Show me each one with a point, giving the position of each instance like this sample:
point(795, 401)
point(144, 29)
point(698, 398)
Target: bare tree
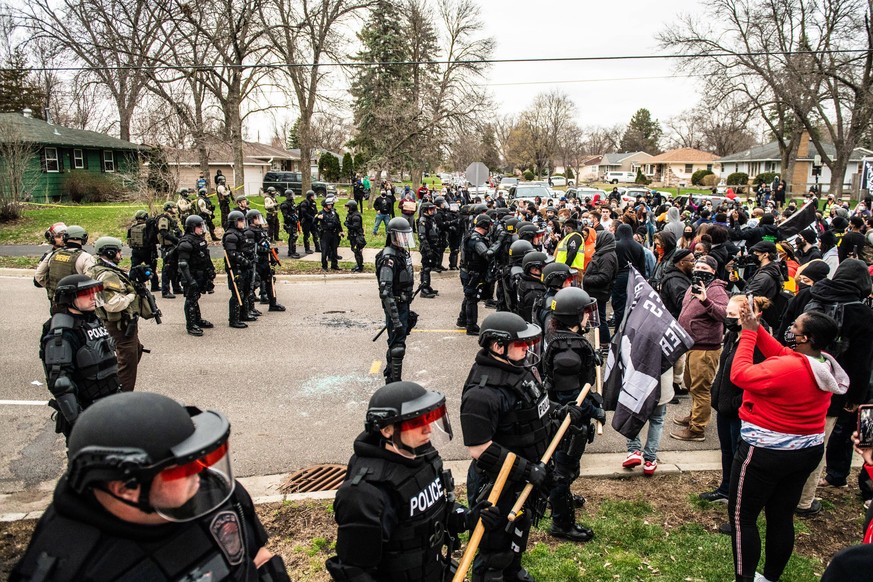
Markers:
point(544, 121)
point(18, 170)
point(816, 56)
point(603, 140)
point(722, 123)
point(304, 34)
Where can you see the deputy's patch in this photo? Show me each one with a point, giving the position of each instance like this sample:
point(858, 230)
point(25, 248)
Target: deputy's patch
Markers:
point(225, 529)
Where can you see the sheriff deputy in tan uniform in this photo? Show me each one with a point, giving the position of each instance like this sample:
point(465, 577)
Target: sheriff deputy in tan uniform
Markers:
point(69, 260)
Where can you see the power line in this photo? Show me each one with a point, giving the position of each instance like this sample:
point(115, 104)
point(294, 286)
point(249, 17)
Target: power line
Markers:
point(600, 58)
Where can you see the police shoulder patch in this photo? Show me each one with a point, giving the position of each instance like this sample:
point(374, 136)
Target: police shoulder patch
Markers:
point(225, 530)
point(388, 261)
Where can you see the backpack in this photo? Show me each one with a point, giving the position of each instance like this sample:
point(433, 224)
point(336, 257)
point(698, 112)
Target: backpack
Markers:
point(866, 254)
point(837, 312)
point(136, 235)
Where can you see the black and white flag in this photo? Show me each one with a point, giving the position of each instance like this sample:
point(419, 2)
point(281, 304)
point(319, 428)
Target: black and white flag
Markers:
point(798, 222)
point(649, 341)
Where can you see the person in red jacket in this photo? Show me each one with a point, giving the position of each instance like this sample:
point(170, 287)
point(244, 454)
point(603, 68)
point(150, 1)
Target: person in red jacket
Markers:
point(782, 430)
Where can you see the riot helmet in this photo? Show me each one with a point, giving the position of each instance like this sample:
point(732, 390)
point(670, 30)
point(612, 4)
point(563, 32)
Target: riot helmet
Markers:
point(518, 250)
point(534, 260)
point(352, 205)
point(408, 406)
point(289, 193)
point(74, 287)
point(570, 305)
point(107, 246)
point(253, 217)
point(220, 179)
point(440, 201)
point(56, 230)
point(328, 201)
point(152, 443)
point(509, 223)
point(530, 232)
point(557, 275)
point(310, 194)
point(242, 201)
point(184, 192)
point(193, 221)
point(76, 232)
point(427, 206)
point(170, 207)
point(482, 221)
point(234, 217)
point(141, 215)
point(400, 233)
point(509, 330)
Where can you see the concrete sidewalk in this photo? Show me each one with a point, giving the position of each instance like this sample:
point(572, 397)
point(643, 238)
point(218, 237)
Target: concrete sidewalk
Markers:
point(265, 488)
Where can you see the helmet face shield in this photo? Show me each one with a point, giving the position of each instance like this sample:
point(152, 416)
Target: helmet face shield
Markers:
point(188, 491)
point(438, 426)
point(403, 239)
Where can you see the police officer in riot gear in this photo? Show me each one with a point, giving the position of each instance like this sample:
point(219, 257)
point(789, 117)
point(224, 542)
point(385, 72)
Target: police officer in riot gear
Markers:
point(330, 229)
point(264, 266)
point(168, 238)
point(307, 211)
point(475, 260)
point(555, 277)
point(290, 222)
point(531, 233)
point(206, 210)
point(250, 250)
point(149, 494)
point(429, 240)
point(448, 223)
point(233, 242)
point(355, 230)
point(77, 353)
point(68, 260)
point(196, 273)
point(504, 408)
point(225, 197)
point(142, 238)
point(396, 512)
point(396, 278)
point(530, 287)
point(511, 273)
point(568, 364)
point(271, 207)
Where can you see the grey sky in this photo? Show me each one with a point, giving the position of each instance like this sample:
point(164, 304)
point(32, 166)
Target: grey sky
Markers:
point(605, 92)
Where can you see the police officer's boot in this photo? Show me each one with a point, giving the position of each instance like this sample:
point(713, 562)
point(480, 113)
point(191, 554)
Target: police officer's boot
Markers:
point(395, 369)
point(275, 306)
point(426, 291)
point(234, 317)
point(317, 244)
point(472, 316)
point(564, 516)
point(191, 320)
point(453, 260)
point(265, 300)
point(202, 323)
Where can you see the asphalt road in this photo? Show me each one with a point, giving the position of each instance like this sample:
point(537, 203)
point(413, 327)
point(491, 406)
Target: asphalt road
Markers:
point(295, 385)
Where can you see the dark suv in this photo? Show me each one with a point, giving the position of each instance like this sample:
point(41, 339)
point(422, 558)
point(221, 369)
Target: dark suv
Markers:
point(281, 181)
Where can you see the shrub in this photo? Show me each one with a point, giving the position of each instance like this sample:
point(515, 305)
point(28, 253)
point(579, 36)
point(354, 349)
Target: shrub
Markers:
point(528, 175)
point(558, 174)
point(710, 180)
point(738, 179)
point(570, 174)
point(765, 177)
point(698, 176)
point(641, 178)
point(84, 186)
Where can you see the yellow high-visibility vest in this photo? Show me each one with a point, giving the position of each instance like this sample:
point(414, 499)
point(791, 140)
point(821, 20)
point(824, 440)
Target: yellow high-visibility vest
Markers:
point(561, 252)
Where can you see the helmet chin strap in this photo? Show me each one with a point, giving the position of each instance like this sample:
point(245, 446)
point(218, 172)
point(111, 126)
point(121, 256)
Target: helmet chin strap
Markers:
point(142, 503)
point(414, 451)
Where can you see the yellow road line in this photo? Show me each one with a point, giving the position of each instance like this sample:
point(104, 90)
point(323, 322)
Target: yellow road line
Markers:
point(375, 367)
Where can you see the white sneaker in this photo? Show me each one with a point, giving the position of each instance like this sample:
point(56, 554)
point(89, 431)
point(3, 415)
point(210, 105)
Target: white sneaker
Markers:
point(633, 459)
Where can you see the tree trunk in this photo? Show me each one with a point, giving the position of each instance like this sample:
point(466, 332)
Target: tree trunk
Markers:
point(304, 136)
point(125, 114)
point(415, 177)
point(838, 172)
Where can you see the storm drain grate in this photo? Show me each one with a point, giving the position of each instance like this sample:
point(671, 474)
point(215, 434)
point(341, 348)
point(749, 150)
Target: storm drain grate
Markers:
point(317, 478)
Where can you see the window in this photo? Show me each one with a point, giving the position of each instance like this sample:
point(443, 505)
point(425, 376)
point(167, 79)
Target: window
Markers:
point(689, 168)
point(108, 161)
point(78, 159)
point(709, 167)
point(51, 160)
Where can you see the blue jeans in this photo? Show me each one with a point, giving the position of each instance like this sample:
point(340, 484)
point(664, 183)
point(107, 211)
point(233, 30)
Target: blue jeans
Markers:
point(380, 218)
point(729, 439)
point(653, 438)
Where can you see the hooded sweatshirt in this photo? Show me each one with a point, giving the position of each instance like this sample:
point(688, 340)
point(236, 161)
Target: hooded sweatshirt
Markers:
point(788, 392)
point(851, 283)
point(601, 271)
point(668, 243)
point(674, 225)
point(628, 250)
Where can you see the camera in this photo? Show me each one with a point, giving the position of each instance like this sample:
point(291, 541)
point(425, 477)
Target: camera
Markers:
point(743, 261)
point(141, 273)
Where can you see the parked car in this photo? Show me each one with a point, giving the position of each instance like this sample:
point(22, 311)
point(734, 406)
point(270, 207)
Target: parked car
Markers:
point(506, 183)
point(526, 191)
point(562, 181)
point(281, 181)
point(616, 177)
point(698, 199)
point(593, 195)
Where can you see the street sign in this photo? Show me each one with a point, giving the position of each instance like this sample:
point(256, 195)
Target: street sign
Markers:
point(477, 173)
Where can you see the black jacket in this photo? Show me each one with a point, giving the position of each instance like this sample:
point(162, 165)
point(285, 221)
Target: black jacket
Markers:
point(726, 397)
point(673, 287)
point(756, 234)
point(628, 250)
point(601, 271)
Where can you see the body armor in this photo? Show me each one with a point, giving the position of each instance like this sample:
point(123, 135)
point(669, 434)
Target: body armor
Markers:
point(403, 276)
point(63, 263)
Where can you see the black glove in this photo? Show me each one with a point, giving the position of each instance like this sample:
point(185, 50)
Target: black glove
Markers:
point(599, 415)
point(488, 513)
point(577, 418)
point(536, 474)
point(598, 359)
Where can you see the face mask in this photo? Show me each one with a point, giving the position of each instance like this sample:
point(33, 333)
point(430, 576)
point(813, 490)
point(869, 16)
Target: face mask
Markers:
point(790, 339)
point(732, 324)
point(697, 254)
point(704, 276)
point(688, 235)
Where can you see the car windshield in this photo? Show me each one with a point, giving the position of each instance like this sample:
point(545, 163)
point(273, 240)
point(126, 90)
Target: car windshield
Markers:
point(532, 192)
point(508, 181)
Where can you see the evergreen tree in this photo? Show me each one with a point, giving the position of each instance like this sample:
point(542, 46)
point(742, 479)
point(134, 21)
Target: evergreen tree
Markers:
point(293, 140)
point(642, 134)
point(17, 91)
point(348, 169)
point(488, 148)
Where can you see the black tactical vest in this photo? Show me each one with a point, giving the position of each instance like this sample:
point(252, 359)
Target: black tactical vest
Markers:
point(199, 261)
point(415, 550)
point(562, 341)
point(404, 276)
point(470, 259)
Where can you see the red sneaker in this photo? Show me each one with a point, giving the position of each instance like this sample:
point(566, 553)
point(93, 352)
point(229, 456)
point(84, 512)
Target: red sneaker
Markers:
point(634, 459)
point(649, 468)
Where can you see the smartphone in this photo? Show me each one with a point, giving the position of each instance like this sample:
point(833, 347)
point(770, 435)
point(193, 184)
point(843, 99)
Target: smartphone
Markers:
point(751, 300)
point(865, 426)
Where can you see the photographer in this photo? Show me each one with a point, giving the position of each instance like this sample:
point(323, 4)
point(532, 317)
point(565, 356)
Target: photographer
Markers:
point(702, 316)
point(119, 307)
point(767, 280)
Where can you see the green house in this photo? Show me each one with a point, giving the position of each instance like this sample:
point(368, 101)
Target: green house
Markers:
point(56, 152)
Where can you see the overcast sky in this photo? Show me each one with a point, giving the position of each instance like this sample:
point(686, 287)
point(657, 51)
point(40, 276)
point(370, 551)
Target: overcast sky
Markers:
point(606, 92)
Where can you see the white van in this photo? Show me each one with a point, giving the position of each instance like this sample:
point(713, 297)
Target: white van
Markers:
point(616, 177)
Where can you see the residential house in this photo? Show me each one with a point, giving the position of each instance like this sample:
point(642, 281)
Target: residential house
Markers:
point(589, 171)
point(258, 159)
point(675, 167)
point(623, 162)
point(60, 152)
point(766, 158)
